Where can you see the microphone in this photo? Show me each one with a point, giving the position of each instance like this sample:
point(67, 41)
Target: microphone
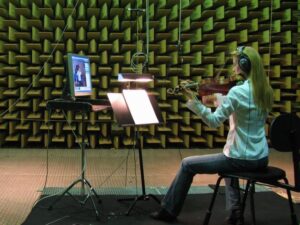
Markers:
point(136, 10)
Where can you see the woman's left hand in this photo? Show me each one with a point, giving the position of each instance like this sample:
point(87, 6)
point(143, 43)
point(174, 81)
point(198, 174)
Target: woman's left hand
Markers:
point(189, 93)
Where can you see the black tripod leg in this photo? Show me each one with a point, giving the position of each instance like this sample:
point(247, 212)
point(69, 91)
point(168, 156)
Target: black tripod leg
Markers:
point(144, 196)
point(154, 197)
point(93, 191)
point(134, 203)
point(138, 198)
point(66, 191)
point(95, 208)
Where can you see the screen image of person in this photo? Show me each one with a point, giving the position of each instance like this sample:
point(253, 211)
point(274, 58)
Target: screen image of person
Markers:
point(246, 106)
point(79, 75)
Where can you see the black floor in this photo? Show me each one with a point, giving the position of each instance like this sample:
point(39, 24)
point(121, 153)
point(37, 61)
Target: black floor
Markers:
point(271, 209)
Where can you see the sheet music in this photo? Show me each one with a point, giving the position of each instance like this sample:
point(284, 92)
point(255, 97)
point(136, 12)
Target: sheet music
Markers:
point(140, 107)
point(120, 109)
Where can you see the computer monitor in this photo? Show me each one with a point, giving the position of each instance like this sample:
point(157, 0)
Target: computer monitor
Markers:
point(79, 76)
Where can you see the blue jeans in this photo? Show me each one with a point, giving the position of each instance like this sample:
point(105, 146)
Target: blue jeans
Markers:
point(207, 164)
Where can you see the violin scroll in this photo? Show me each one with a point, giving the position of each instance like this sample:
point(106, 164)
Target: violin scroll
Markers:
point(183, 85)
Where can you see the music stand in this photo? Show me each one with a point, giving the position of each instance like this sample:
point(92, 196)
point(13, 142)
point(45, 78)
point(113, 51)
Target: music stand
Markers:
point(83, 108)
point(135, 108)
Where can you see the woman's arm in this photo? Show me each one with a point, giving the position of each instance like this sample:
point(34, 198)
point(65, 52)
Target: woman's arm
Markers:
point(226, 106)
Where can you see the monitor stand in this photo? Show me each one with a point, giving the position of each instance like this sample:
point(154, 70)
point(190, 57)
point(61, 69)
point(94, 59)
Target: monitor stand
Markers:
point(84, 108)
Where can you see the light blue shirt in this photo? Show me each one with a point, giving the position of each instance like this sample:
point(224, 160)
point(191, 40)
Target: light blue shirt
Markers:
point(246, 138)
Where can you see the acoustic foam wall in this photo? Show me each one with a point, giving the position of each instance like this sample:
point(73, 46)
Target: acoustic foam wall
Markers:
point(191, 44)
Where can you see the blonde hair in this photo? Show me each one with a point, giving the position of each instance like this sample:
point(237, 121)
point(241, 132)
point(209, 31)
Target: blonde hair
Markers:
point(262, 90)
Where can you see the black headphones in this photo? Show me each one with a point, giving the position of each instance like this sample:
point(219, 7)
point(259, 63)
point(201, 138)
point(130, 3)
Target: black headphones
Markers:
point(244, 61)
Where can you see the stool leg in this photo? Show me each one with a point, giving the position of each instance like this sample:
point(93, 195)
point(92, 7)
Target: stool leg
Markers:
point(252, 191)
point(293, 214)
point(243, 205)
point(208, 213)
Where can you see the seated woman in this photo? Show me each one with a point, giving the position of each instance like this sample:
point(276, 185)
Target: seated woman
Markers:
point(246, 106)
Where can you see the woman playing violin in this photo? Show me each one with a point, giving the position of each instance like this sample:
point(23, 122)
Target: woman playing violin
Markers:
point(246, 149)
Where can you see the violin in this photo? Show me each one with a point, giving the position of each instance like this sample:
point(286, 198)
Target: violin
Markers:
point(212, 87)
point(207, 87)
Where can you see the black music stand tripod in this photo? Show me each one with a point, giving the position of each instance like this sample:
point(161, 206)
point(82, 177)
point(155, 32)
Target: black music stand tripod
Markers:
point(143, 196)
point(83, 108)
point(130, 111)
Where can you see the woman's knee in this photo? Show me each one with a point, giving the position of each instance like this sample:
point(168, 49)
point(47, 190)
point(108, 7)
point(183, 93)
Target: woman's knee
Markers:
point(186, 165)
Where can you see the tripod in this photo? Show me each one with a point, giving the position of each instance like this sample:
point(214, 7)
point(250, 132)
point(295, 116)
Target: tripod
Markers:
point(83, 107)
point(143, 196)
